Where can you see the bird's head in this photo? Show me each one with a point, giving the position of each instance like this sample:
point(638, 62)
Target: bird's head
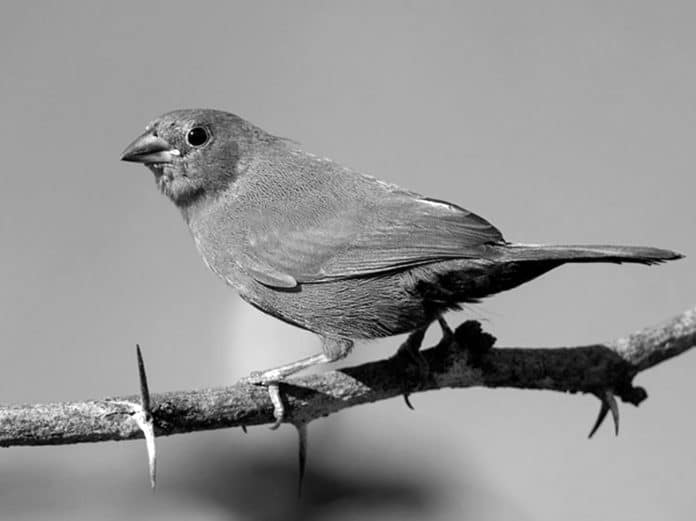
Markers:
point(195, 153)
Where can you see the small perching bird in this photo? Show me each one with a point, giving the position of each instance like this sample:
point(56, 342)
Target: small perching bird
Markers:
point(328, 249)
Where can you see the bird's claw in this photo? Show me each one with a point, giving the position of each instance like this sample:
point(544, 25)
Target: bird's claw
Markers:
point(609, 404)
point(414, 361)
point(271, 382)
point(422, 370)
point(278, 407)
point(407, 400)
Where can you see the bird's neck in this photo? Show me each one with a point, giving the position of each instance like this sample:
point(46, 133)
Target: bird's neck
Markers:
point(189, 212)
point(195, 207)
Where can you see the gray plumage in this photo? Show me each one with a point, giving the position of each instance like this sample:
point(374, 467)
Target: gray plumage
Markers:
point(326, 248)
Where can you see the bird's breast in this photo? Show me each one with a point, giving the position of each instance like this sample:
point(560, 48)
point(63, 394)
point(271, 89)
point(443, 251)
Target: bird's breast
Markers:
point(218, 245)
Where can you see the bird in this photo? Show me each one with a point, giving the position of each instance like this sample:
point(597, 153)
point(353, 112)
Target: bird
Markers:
point(332, 250)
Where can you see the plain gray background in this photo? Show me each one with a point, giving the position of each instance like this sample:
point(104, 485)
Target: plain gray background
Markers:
point(558, 121)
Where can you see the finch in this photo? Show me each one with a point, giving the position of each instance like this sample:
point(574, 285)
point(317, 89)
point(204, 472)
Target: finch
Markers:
point(329, 249)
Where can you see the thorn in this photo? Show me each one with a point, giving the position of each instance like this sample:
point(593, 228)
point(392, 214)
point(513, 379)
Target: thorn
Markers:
point(408, 401)
point(302, 453)
point(144, 391)
point(614, 408)
point(603, 410)
point(608, 404)
point(244, 430)
point(278, 407)
point(145, 420)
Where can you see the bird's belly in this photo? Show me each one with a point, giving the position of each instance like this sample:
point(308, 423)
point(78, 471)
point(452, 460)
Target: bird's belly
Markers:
point(358, 308)
point(393, 303)
point(353, 308)
point(381, 305)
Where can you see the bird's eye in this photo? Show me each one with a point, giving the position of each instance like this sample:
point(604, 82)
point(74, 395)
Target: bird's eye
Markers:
point(197, 136)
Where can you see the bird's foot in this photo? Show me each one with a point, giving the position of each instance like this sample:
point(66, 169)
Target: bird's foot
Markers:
point(271, 380)
point(416, 370)
point(332, 349)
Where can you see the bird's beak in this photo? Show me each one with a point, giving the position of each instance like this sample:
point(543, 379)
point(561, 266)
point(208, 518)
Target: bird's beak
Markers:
point(149, 148)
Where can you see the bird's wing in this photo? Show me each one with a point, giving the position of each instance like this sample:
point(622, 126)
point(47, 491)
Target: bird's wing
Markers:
point(398, 230)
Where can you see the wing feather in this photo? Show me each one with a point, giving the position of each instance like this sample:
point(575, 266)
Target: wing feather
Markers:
point(399, 230)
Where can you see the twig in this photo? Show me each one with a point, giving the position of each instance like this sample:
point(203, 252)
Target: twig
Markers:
point(602, 370)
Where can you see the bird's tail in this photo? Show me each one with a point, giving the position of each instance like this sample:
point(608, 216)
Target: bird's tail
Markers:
point(589, 253)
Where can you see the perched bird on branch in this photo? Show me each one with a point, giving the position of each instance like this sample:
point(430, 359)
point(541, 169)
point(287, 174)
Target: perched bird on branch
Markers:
point(331, 250)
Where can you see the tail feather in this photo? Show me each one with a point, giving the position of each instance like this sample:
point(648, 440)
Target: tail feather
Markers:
point(587, 253)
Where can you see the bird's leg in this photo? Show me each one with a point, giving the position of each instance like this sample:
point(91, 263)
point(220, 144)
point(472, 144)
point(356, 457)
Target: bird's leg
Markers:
point(409, 352)
point(279, 373)
point(333, 349)
point(447, 333)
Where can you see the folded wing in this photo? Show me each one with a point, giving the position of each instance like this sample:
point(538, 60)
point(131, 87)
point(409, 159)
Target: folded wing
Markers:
point(399, 230)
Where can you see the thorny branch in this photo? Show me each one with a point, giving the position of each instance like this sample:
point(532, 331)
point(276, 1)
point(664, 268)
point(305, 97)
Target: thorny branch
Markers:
point(464, 360)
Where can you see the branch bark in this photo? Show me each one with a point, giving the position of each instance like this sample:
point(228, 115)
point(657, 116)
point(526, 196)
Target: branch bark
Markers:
point(465, 360)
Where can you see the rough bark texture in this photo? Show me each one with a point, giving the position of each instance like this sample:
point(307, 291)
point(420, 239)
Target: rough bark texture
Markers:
point(466, 360)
